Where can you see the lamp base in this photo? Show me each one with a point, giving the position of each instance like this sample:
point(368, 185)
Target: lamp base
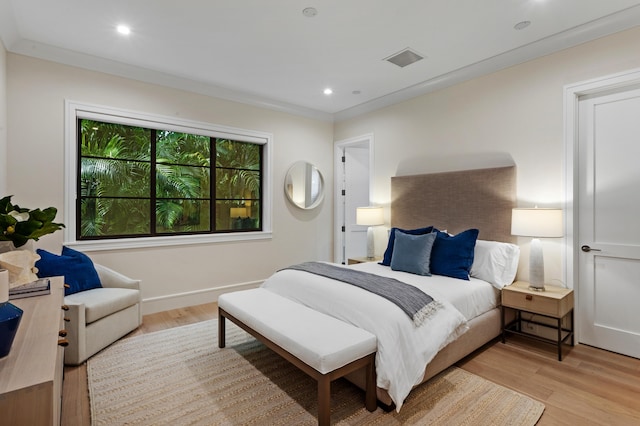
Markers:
point(536, 266)
point(370, 246)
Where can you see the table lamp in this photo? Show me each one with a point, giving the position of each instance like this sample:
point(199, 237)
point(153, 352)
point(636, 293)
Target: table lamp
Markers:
point(237, 214)
point(536, 223)
point(369, 216)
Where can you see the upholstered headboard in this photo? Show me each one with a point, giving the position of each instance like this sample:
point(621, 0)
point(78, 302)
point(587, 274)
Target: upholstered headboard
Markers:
point(457, 201)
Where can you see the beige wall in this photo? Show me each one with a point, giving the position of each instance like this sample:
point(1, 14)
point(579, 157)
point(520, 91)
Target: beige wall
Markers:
point(3, 120)
point(515, 115)
point(36, 92)
point(512, 115)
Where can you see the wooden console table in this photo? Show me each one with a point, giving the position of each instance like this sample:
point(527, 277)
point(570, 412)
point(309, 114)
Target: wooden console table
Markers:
point(31, 375)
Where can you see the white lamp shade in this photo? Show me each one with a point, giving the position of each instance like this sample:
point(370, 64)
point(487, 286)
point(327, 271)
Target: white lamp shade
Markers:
point(535, 222)
point(369, 216)
point(238, 212)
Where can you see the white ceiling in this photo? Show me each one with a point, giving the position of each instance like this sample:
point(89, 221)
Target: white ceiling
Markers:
point(267, 53)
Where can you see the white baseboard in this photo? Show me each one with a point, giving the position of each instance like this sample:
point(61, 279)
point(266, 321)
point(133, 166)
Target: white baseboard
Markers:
point(198, 297)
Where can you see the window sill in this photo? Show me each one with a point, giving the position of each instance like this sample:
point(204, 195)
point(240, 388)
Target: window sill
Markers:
point(129, 243)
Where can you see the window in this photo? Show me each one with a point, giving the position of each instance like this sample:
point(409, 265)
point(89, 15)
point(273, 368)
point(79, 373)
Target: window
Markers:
point(143, 178)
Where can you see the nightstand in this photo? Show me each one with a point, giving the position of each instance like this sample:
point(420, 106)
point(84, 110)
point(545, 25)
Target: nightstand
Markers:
point(354, 260)
point(555, 303)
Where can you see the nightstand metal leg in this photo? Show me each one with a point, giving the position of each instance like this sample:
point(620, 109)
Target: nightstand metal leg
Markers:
point(504, 332)
point(559, 339)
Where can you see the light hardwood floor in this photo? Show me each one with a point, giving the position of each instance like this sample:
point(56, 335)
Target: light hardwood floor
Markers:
point(589, 387)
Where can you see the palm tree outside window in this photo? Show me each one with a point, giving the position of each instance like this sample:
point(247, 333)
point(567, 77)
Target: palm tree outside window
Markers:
point(145, 182)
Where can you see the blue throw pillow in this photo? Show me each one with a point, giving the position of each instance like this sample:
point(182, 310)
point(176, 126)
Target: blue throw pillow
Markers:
point(452, 256)
point(412, 253)
point(77, 268)
point(386, 260)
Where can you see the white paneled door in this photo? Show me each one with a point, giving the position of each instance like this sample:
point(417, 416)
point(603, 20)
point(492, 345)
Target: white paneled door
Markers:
point(352, 177)
point(609, 220)
point(356, 195)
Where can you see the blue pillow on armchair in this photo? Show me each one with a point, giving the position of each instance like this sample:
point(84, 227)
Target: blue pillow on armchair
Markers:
point(77, 268)
point(386, 260)
point(452, 256)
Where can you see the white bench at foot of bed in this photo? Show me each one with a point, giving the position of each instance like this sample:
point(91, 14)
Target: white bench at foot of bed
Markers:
point(323, 347)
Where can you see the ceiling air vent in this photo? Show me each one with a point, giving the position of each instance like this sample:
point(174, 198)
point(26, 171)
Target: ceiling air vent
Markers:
point(404, 57)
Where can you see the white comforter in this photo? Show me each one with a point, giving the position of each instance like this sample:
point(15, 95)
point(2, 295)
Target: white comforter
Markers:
point(404, 350)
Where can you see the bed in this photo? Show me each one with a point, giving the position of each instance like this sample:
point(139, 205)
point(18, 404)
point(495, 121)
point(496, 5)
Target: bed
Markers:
point(453, 201)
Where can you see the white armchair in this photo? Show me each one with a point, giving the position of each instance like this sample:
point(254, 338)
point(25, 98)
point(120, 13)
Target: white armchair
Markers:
point(100, 316)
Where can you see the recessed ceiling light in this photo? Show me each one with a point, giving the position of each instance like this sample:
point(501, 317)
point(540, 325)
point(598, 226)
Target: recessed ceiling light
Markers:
point(309, 12)
point(522, 25)
point(327, 91)
point(123, 29)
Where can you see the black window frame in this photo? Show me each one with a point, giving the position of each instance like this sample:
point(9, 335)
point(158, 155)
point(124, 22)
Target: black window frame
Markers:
point(260, 230)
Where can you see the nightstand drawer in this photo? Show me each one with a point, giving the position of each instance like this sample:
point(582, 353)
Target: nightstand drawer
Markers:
point(555, 301)
point(530, 303)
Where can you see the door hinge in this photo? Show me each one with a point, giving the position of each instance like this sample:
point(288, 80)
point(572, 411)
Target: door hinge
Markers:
point(344, 159)
point(344, 192)
point(344, 228)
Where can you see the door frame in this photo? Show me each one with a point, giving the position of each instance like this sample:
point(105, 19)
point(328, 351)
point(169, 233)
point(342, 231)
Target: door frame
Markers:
point(365, 140)
point(572, 94)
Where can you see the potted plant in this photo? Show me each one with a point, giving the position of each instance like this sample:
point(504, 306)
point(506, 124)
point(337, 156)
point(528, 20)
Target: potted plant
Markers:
point(17, 226)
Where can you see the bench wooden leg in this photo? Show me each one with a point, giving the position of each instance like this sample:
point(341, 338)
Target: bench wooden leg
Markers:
point(324, 401)
point(221, 330)
point(371, 399)
point(324, 380)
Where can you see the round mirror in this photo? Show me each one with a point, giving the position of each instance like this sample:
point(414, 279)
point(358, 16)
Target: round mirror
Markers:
point(304, 185)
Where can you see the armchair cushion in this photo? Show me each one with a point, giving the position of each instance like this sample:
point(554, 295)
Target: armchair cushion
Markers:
point(77, 268)
point(101, 302)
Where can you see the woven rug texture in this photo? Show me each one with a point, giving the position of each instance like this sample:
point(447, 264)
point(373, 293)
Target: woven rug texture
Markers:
point(179, 376)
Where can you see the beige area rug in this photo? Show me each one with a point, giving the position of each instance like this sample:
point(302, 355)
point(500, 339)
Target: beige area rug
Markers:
point(180, 377)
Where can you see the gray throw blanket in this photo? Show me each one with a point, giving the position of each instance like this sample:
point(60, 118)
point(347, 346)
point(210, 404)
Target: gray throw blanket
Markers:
point(414, 302)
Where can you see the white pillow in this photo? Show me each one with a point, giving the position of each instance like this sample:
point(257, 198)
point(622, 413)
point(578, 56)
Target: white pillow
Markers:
point(495, 262)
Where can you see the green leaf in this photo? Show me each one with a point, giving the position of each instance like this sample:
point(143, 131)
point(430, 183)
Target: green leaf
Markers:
point(5, 204)
point(39, 223)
